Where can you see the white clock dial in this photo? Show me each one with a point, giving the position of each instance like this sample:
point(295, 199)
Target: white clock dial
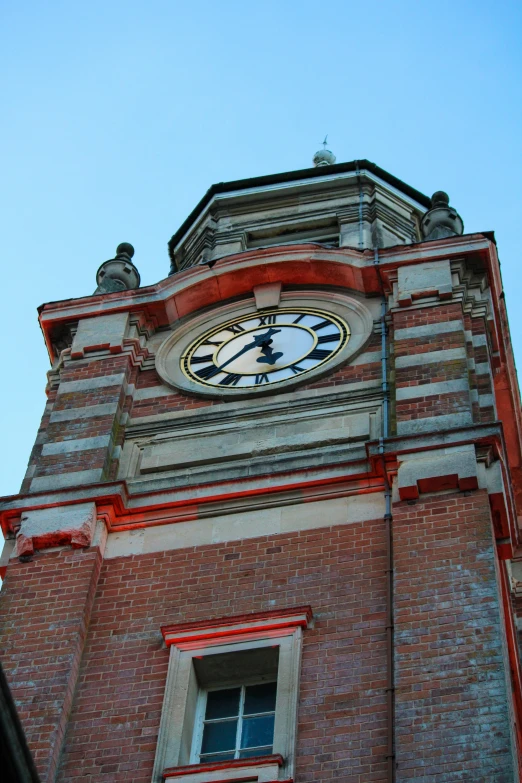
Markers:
point(265, 348)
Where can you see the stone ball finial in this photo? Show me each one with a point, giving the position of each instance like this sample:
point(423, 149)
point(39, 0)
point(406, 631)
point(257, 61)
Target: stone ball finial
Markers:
point(439, 199)
point(441, 220)
point(324, 157)
point(118, 273)
point(125, 247)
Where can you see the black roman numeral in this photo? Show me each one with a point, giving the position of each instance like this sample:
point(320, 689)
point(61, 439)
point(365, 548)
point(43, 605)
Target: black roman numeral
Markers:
point(261, 379)
point(327, 338)
point(319, 353)
point(208, 372)
point(295, 368)
point(210, 342)
point(235, 329)
point(201, 359)
point(299, 318)
point(321, 325)
point(230, 380)
point(267, 319)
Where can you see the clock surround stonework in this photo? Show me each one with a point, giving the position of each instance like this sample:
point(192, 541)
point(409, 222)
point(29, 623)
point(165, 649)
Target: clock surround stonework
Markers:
point(360, 519)
point(350, 313)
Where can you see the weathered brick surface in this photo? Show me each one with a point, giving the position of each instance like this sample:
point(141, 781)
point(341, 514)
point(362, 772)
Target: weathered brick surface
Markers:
point(452, 717)
point(405, 318)
point(422, 375)
point(451, 708)
point(339, 571)
point(432, 405)
point(75, 429)
point(434, 342)
point(45, 611)
point(479, 354)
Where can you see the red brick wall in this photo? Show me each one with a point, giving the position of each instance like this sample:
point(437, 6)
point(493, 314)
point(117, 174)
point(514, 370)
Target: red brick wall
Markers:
point(451, 708)
point(451, 711)
point(425, 406)
point(45, 613)
point(339, 571)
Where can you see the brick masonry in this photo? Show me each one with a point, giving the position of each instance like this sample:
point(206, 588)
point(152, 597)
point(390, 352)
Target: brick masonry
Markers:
point(115, 719)
point(81, 636)
point(46, 609)
point(449, 666)
point(451, 702)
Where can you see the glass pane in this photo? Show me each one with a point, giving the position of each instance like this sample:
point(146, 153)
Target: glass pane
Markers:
point(216, 757)
point(260, 698)
point(219, 736)
point(257, 731)
point(266, 751)
point(222, 704)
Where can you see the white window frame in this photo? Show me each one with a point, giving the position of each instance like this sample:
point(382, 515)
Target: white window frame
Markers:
point(175, 747)
point(200, 716)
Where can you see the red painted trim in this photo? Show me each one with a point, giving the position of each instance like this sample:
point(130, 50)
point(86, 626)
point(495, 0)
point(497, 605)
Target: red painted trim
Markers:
point(223, 626)
point(113, 505)
point(249, 779)
point(255, 761)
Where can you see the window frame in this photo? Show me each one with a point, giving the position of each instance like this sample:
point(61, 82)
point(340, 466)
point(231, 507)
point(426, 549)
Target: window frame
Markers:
point(228, 635)
point(200, 721)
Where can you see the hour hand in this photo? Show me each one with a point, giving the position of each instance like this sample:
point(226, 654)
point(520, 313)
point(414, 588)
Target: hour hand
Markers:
point(269, 357)
point(259, 341)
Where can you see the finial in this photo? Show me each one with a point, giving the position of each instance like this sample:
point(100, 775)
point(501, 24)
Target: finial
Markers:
point(125, 247)
point(441, 220)
point(324, 157)
point(118, 273)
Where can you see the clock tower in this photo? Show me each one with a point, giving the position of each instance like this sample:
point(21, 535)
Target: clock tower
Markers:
point(269, 531)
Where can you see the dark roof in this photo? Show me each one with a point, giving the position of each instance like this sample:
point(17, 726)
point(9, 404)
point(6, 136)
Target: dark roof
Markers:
point(288, 176)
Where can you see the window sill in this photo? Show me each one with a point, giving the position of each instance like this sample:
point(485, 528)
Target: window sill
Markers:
point(259, 769)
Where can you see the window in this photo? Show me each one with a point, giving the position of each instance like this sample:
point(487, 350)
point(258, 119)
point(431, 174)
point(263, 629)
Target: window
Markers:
point(231, 698)
point(237, 722)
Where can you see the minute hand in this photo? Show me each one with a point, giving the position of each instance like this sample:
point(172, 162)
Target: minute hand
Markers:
point(258, 340)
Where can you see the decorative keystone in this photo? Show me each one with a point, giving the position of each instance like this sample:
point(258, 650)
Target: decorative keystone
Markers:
point(450, 468)
point(267, 295)
point(441, 220)
point(58, 526)
point(119, 273)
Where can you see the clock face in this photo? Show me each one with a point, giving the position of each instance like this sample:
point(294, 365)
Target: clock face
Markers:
point(264, 348)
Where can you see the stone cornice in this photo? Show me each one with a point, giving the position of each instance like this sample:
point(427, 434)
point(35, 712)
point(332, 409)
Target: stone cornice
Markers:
point(193, 289)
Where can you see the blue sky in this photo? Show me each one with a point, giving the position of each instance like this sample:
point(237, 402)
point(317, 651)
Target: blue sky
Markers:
point(117, 117)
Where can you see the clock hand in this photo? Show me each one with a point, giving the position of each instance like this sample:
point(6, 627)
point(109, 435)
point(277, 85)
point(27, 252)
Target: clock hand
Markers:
point(269, 357)
point(258, 340)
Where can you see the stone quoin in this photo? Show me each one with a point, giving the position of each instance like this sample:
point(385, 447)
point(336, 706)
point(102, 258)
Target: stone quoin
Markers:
point(269, 530)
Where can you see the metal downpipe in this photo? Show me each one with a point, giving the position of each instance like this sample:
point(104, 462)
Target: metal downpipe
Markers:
point(388, 520)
